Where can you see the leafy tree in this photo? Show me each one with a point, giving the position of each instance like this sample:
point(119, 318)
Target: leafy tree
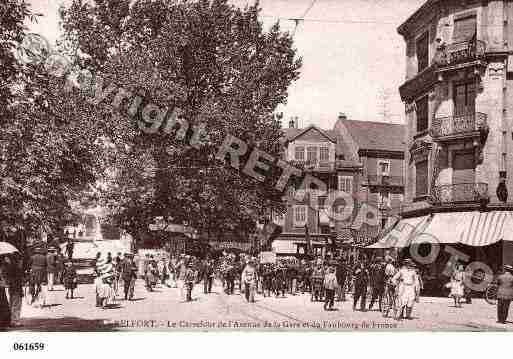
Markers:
point(216, 63)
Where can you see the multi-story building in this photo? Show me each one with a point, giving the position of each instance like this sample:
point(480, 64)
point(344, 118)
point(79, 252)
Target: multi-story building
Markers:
point(347, 160)
point(458, 96)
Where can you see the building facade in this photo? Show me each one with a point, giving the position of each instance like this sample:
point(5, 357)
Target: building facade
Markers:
point(458, 96)
point(345, 159)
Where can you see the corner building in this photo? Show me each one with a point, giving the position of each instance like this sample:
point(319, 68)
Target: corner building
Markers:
point(458, 96)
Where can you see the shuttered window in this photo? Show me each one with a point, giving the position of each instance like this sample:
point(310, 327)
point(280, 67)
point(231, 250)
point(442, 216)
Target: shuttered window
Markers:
point(463, 167)
point(422, 52)
point(422, 114)
point(421, 178)
point(299, 215)
point(464, 99)
point(464, 29)
point(345, 184)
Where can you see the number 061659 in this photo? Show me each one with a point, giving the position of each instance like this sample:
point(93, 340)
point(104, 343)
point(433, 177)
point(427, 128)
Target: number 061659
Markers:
point(28, 346)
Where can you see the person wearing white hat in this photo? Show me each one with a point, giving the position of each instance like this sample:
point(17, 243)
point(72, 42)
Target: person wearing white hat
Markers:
point(407, 283)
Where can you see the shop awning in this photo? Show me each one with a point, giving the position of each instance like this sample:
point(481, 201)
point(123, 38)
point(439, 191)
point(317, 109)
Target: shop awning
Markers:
point(402, 233)
point(474, 228)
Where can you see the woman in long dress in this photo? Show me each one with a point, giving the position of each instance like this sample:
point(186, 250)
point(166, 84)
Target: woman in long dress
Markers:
point(457, 286)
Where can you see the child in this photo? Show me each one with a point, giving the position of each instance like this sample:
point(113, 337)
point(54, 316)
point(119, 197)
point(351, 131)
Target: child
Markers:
point(69, 277)
point(104, 291)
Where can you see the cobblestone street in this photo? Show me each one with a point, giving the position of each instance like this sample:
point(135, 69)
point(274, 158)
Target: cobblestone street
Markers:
point(164, 309)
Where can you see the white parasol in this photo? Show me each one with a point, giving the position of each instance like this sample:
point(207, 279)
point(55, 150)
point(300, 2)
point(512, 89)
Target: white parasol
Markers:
point(7, 248)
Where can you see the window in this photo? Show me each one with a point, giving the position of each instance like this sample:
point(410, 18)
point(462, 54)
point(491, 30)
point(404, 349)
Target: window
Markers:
point(299, 153)
point(464, 99)
point(383, 168)
point(345, 184)
point(321, 200)
point(384, 199)
point(422, 52)
point(422, 114)
point(464, 29)
point(421, 178)
point(299, 216)
point(311, 154)
point(324, 154)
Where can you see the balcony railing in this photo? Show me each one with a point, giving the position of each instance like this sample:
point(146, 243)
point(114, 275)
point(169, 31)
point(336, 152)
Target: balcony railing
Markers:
point(458, 125)
point(459, 53)
point(382, 180)
point(460, 192)
point(314, 165)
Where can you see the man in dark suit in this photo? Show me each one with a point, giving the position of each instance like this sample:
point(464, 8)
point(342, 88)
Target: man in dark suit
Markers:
point(377, 282)
point(361, 280)
point(504, 293)
point(341, 274)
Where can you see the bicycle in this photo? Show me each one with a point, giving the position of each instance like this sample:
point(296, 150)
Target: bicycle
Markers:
point(491, 293)
point(389, 300)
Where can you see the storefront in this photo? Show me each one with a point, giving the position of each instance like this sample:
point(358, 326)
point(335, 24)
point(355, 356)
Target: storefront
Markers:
point(440, 240)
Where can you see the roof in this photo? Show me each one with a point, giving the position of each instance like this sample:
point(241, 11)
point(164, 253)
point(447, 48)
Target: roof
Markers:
point(403, 27)
point(292, 133)
point(377, 135)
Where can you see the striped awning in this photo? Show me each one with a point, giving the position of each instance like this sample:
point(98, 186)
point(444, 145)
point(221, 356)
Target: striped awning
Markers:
point(402, 233)
point(475, 228)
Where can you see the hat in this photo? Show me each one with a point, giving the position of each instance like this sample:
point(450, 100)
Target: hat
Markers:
point(508, 267)
point(107, 275)
point(409, 262)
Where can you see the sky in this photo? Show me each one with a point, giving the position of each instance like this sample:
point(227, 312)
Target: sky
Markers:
point(353, 58)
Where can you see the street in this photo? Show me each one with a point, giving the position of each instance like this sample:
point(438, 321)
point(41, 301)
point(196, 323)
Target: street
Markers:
point(164, 310)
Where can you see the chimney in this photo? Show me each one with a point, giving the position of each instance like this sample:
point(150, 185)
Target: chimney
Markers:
point(291, 123)
point(296, 122)
point(342, 116)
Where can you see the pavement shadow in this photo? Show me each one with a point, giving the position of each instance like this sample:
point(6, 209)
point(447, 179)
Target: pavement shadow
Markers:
point(65, 324)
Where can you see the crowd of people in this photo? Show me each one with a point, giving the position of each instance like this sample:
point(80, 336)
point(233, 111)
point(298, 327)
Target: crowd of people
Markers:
point(325, 280)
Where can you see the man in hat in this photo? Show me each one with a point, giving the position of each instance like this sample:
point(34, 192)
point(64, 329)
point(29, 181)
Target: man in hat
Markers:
point(330, 284)
point(249, 280)
point(361, 280)
point(70, 246)
point(341, 273)
point(190, 278)
point(129, 275)
point(408, 288)
point(51, 260)
point(12, 267)
point(377, 282)
point(38, 267)
point(504, 293)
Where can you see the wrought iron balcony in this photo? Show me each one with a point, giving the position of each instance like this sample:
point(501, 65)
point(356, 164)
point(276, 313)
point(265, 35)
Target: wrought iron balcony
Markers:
point(385, 181)
point(321, 166)
point(468, 125)
point(460, 193)
point(459, 53)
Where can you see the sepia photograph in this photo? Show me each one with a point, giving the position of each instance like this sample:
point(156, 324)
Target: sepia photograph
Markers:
point(255, 166)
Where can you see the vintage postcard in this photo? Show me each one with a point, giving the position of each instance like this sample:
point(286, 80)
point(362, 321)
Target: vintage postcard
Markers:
point(278, 165)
